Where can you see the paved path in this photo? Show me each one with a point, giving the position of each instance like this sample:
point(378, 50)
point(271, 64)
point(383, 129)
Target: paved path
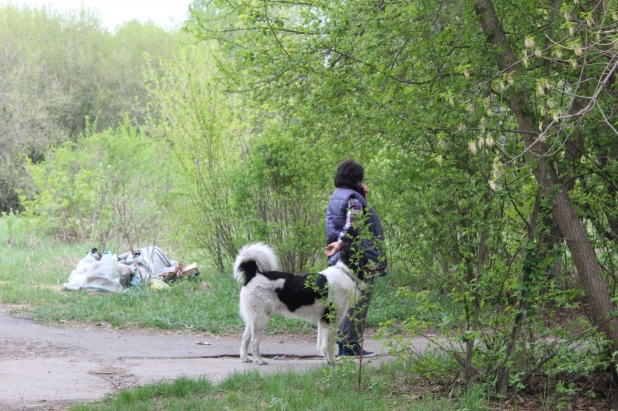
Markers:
point(45, 368)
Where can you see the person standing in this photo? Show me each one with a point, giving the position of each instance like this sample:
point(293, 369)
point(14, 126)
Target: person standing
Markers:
point(350, 222)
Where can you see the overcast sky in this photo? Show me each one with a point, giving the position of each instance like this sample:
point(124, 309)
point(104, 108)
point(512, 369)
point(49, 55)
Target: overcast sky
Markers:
point(164, 13)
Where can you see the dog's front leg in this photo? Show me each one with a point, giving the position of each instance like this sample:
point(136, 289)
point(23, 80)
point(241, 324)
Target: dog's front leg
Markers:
point(325, 341)
point(330, 357)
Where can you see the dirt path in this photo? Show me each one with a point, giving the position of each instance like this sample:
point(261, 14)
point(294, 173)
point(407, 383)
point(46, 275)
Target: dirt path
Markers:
point(46, 368)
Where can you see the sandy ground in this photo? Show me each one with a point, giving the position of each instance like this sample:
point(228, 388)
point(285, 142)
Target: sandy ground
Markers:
point(47, 368)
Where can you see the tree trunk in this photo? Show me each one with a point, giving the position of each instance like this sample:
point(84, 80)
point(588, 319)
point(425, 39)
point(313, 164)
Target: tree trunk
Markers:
point(563, 212)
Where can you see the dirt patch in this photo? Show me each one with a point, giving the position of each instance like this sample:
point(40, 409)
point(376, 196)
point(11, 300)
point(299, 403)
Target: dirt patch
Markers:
point(13, 307)
point(119, 378)
point(31, 349)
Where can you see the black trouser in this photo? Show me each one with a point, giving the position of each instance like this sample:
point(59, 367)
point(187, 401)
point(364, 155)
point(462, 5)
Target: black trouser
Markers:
point(353, 324)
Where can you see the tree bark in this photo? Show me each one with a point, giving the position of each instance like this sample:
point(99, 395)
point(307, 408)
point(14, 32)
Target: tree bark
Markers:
point(563, 211)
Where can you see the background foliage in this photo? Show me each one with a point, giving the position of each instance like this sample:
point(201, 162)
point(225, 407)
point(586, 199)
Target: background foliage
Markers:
point(58, 70)
point(477, 135)
point(115, 185)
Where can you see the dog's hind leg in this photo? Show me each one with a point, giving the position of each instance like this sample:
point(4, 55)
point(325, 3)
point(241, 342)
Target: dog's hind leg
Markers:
point(244, 346)
point(257, 328)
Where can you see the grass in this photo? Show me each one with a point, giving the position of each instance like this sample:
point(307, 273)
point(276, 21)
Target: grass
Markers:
point(35, 267)
point(388, 387)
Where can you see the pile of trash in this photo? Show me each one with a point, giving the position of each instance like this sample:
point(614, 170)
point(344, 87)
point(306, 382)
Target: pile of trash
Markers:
point(147, 266)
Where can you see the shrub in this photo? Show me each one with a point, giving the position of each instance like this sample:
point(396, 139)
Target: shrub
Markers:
point(106, 186)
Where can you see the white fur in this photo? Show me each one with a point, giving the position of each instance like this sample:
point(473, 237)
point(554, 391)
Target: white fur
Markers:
point(262, 254)
point(259, 300)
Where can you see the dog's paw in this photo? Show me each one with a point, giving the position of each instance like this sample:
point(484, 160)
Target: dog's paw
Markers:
point(260, 361)
point(245, 359)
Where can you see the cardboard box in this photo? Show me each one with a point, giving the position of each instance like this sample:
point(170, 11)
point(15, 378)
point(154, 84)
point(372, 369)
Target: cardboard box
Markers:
point(180, 271)
point(186, 270)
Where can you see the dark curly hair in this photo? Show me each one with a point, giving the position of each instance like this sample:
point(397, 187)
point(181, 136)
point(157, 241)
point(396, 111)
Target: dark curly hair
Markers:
point(349, 174)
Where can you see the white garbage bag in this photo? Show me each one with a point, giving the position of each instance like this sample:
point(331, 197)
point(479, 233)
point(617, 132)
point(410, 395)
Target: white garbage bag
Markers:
point(152, 262)
point(113, 273)
point(105, 276)
point(78, 276)
point(97, 275)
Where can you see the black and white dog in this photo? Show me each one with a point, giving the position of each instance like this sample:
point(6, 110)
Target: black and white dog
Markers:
point(266, 291)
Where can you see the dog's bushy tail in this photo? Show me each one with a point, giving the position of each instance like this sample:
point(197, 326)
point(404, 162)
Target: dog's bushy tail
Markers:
point(253, 258)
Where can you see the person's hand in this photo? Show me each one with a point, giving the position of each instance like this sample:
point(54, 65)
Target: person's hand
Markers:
point(332, 248)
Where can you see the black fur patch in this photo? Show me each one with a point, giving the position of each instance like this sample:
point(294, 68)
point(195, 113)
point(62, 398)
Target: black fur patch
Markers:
point(328, 313)
point(249, 269)
point(299, 290)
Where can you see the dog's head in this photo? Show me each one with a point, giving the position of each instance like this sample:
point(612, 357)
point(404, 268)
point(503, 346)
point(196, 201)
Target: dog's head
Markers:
point(354, 258)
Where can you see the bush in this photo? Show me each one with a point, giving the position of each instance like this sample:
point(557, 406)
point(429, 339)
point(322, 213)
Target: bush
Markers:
point(106, 186)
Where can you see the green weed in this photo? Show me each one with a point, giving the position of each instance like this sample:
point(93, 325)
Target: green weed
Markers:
point(389, 387)
point(35, 266)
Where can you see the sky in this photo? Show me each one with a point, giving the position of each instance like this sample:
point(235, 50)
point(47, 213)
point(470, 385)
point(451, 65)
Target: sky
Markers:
point(164, 13)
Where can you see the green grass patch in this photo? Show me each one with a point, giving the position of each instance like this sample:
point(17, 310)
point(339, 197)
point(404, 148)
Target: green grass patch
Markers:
point(387, 387)
point(35, 266)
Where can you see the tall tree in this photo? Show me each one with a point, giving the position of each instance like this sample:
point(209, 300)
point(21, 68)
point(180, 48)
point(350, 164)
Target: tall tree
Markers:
point(437, 95)
point(563, 211)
